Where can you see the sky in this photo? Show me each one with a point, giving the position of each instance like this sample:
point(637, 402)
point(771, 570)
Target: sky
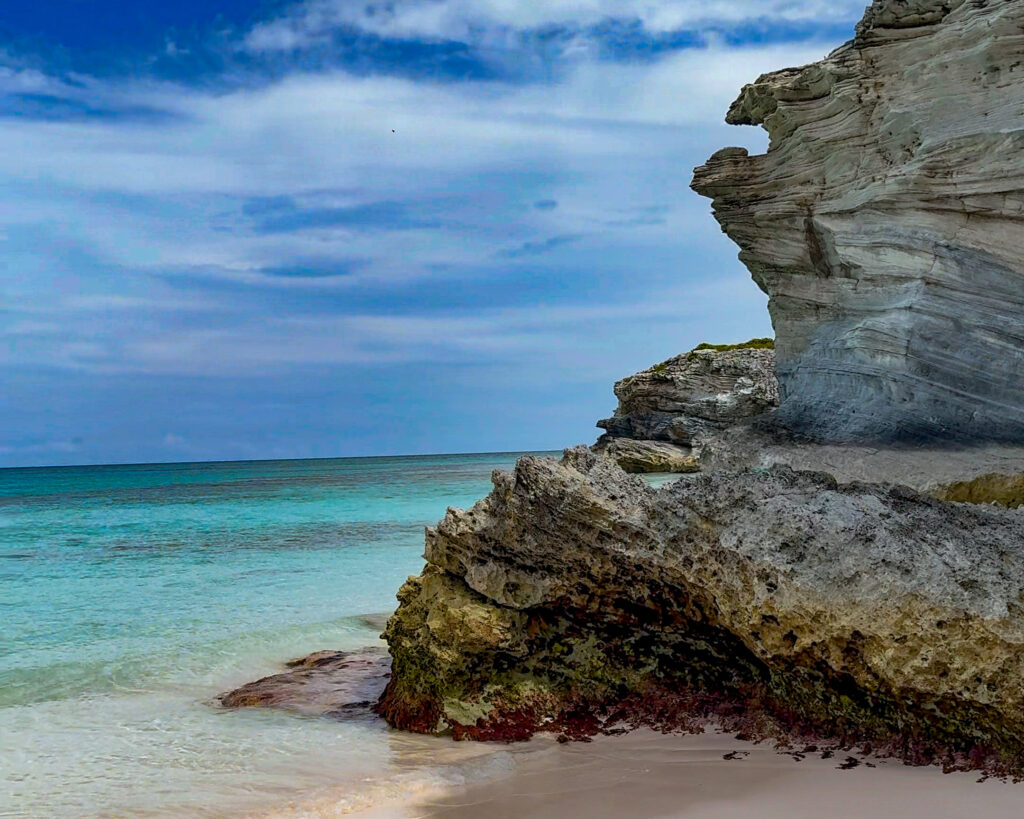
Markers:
point(246, 230)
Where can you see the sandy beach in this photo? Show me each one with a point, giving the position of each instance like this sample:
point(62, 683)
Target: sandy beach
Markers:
point(646, 775)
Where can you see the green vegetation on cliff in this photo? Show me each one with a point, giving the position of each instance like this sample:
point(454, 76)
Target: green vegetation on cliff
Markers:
point(753, 344)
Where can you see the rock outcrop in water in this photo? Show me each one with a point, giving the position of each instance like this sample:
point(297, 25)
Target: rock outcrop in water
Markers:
point(886, 223)
point(576, 599)
point(339, 684)
point(665, 411)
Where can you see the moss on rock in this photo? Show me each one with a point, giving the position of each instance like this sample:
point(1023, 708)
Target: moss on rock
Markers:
point(1003, 490)
point(753, 344)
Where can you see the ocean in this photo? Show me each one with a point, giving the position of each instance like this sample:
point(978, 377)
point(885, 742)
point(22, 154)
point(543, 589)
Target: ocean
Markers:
point(131, 596)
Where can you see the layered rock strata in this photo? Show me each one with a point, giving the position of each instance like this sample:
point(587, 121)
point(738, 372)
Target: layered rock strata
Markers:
point(666, 410)
point(886, 223)
point(574, 598)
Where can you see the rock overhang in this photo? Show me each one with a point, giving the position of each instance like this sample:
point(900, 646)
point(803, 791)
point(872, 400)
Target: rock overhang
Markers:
point(884, 223)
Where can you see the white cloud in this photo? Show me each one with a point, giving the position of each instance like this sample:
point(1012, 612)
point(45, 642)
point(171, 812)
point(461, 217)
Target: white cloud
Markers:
point(491, 336)
point(334, 130)
point(493, 22)
point(94, 208)
point(148, 194)
point(24, 81)
point(41, 448)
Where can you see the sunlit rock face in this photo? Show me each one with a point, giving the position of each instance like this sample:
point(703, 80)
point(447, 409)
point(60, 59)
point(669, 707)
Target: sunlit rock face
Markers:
point(886, 223)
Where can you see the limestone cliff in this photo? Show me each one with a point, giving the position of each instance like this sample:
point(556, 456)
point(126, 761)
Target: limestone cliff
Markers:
point(575, 598)
point(886, 223)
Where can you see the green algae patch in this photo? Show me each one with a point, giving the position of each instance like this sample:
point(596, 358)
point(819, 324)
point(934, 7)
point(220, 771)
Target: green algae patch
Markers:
point(753, 344)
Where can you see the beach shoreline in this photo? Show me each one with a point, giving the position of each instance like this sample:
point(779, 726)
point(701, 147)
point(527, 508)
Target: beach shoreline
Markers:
point(649, 775)
point(134, 596)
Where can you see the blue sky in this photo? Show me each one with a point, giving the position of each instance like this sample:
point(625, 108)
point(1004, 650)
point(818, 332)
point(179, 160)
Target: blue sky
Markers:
point(266, 229)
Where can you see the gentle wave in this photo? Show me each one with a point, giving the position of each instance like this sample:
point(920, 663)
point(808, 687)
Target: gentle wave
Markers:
point(132, 596)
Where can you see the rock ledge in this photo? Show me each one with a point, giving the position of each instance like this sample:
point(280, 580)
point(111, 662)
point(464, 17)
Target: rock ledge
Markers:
point(666, 411)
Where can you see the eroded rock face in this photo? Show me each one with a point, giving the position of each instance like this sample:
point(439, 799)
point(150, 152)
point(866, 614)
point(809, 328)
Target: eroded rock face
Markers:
point(886, 223)
point(678, 400)
point(648, 457)
point(575, 598)
point(665, 411)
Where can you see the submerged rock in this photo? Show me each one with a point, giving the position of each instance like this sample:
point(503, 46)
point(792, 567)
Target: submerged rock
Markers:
point(886, 223)
point(576, 599)
point(327, 683)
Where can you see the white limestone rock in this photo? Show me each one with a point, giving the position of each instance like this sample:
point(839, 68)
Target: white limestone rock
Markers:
point(886, 223)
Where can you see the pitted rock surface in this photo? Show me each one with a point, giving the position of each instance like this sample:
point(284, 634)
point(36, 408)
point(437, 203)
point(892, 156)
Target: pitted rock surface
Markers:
point(871, 611)
point(678, 400)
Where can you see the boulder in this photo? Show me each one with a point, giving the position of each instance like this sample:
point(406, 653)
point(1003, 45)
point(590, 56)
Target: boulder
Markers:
point(648, 457)
point(577, 599)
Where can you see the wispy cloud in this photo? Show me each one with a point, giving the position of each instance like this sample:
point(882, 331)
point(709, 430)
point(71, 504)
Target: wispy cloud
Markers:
point(543, 246)
point(288, 212)
point(44, 448)
point(315, 268)
point(366, 216)
point(498, 23)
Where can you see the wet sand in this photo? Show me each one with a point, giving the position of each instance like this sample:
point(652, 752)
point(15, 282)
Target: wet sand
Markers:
point(647, 776)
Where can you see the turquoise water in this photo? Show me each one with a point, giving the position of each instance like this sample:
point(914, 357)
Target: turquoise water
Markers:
point(130, 596)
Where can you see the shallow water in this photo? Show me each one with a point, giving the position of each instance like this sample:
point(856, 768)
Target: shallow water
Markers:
point(130, 596)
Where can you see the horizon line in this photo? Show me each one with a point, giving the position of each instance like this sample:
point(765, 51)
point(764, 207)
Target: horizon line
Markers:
point(283, 460)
